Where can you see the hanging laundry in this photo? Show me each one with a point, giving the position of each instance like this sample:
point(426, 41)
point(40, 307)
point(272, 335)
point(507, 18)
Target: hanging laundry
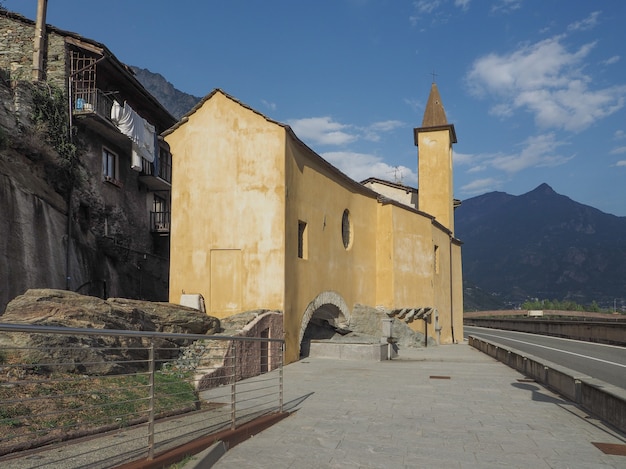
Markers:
point(139, 130)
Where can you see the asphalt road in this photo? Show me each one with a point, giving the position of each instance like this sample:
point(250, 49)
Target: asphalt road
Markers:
point(603, 362)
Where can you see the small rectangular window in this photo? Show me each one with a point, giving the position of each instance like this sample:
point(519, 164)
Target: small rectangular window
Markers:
point(109, 165)
point(302, 240)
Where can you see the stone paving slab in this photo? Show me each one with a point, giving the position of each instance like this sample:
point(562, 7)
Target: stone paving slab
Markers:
point(449, 406)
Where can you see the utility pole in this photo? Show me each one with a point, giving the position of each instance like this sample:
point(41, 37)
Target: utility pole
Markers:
point(39, 42)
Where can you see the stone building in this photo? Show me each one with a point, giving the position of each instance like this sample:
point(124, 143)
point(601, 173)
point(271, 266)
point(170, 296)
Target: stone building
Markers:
point(114, 206)
point(260, 221)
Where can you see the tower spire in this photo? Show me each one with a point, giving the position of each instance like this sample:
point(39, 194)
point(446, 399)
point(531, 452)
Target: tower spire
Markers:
point(434, 114)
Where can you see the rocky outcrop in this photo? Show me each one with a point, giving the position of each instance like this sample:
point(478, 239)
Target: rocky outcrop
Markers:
point(366, 326)
point(98, 354)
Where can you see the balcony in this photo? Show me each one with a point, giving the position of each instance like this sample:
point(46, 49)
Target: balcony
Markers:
point(160, 223)
point(157, 175)
point(92, 101)
point(93, 108)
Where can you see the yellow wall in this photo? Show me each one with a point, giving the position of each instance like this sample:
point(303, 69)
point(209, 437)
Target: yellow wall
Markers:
point(435, 195)
point(318, 195)
point(227, 238)
point(241, 185)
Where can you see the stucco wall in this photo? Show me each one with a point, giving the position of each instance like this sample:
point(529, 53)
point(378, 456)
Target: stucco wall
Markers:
point(228, 195)
point(435, 176)
point(318, 196)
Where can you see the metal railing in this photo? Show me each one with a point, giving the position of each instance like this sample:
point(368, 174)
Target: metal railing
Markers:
point(164, 166)
point(156, 390)
point(92, 101)
point(160, 221)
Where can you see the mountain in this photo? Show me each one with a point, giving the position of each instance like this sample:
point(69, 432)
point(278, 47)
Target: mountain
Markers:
point(175, 101)
point(540, 245)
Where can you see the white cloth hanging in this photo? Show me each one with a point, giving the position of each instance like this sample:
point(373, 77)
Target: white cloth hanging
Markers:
point(139, 130)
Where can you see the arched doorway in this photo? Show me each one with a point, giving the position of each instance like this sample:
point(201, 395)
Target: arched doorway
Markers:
point(325, 316)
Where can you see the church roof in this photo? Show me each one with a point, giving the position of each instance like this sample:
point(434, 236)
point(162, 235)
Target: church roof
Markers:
point(434, 114)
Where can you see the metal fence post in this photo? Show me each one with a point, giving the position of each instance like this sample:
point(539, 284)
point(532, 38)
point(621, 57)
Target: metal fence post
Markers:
point(233, 390)
point(151, 396)
point(280, 376)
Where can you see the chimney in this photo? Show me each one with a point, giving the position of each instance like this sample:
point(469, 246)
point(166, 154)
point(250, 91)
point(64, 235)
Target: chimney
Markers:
point(40, 34)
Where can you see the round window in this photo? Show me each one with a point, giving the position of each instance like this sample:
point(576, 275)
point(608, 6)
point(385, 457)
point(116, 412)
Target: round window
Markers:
point(346, 229)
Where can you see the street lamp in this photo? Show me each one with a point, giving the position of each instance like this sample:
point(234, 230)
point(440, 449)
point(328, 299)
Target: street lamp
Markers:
point(615, 305)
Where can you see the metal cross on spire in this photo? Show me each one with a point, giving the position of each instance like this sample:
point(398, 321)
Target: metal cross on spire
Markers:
point(434, 75)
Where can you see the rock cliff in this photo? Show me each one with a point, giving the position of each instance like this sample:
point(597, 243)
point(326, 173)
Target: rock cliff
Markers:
point(98, 354)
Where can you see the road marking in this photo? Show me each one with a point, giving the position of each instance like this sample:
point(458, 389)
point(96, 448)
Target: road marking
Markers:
point(554, 349)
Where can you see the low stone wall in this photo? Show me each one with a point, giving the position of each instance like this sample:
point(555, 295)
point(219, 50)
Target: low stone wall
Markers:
point(348, 350)
point(597, 397)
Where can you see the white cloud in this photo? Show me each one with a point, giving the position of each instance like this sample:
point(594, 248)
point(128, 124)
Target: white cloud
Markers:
point(322, 131)
point(427, 6)
point(434, 11)
point(506, 6)
point(618, 151)
point(612, 60)
point(325, 131)
point(588, 23)
point(619, 135)
point(536, 152)
point(385, 126)
point(462, 158)
point(373, 131)
point(621, 163)
point(479, 186)
point(269, 105)
point(547, 80)
point(360, 166)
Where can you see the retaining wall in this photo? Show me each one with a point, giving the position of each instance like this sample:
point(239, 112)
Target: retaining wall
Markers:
point(601, 399)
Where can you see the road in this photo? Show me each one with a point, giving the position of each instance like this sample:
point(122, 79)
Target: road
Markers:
point(604, 362)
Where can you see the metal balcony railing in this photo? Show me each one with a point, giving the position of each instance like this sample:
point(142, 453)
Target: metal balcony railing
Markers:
point(160, 222)
point(92, 101)
point(164, 166)
point(132, 393)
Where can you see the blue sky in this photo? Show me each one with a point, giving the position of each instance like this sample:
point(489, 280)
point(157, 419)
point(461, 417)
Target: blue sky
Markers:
point(536, 89)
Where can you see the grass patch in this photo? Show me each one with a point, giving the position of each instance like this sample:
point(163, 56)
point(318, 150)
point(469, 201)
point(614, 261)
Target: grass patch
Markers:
point(59, 406)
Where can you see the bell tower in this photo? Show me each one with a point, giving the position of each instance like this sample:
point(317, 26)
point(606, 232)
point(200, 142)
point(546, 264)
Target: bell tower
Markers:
point(434, 140)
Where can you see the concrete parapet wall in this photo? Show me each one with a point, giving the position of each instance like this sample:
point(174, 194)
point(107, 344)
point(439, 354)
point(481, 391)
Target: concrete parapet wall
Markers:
point(590, 331)
point(601, 399)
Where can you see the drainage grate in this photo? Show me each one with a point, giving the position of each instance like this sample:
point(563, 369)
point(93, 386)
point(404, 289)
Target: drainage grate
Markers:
point(439, 377)
point(611, 448)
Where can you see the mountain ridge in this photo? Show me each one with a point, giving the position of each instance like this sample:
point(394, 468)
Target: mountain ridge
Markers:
point(543, 245)
point(177, 102)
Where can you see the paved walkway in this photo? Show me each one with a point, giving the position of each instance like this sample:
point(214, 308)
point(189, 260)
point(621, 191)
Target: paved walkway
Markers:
point(441, 407)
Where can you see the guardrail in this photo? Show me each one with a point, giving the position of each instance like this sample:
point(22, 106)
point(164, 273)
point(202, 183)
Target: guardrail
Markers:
point(146, 385)
point(591, 330)
point(597, 397)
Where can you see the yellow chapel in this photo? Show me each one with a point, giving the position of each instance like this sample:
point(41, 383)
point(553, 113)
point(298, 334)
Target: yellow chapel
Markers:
point(260, 221)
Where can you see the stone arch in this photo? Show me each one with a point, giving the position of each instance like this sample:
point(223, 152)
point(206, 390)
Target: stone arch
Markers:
point(329, 306)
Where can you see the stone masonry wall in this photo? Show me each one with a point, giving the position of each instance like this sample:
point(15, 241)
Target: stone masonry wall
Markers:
point(16, 51)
